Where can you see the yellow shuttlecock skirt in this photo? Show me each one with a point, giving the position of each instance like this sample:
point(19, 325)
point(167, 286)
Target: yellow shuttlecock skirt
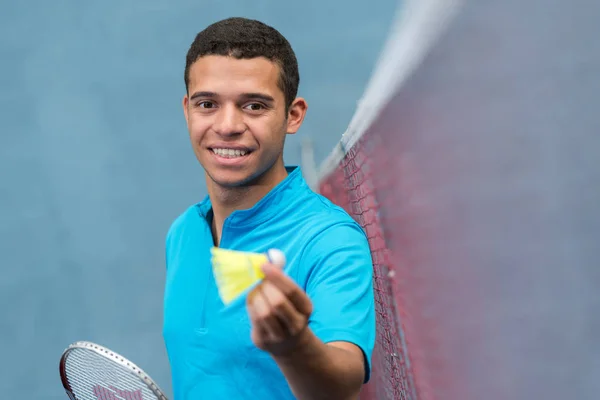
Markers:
point(236, 271)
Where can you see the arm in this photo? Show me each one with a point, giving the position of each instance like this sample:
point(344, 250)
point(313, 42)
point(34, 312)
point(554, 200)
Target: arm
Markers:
point(325, 352)
point(279, 310)
point(323, 371)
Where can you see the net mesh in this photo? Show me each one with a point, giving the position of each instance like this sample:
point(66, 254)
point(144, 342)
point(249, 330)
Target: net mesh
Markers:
point(352, 187)
point(375, 183)
point(408, 361)
point(92, 376)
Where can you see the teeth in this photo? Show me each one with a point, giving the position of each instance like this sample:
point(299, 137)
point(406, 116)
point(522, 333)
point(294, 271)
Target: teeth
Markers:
point(229, 153)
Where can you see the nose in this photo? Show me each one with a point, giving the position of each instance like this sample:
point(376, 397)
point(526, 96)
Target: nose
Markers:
point(229, 121)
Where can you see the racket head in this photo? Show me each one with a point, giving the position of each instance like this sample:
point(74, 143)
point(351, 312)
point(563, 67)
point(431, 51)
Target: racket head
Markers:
point(89, 371)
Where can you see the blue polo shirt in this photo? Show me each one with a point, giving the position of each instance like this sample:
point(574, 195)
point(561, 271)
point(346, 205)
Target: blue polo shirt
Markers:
point(209, 346)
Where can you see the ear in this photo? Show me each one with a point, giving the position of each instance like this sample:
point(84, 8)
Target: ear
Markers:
point(296, 114)
point(185, 102)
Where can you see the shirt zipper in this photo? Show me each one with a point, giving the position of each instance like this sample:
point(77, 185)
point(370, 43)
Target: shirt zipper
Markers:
point(210, 277)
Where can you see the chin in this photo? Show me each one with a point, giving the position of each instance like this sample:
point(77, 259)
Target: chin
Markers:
point(230, 180)
point(237, 177)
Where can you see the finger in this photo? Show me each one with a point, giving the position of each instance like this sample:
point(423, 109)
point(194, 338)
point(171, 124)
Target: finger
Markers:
point(289, 288)
point(265, 316)
point(291, 319)
point(268, 317)
point(257, 333)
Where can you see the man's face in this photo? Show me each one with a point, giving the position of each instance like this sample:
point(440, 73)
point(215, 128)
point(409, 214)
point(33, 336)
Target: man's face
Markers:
point(236, 117)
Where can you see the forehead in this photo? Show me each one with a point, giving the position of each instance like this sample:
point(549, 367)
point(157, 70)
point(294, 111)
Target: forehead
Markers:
point(228, 75)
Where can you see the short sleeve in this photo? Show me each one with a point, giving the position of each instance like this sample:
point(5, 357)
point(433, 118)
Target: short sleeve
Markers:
point(340, 285)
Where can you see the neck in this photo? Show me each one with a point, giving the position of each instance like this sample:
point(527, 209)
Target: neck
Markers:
point(225, 200)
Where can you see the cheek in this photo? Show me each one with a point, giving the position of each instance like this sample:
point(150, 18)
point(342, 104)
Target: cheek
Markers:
point(271, 134)
point(196, 128)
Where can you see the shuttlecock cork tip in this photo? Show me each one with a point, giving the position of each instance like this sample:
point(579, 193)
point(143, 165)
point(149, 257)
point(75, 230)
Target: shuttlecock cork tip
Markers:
point(276, 257)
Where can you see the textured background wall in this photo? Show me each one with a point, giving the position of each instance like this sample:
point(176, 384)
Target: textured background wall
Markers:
point(95, 160)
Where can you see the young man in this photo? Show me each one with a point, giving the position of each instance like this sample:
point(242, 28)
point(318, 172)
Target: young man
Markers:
point(306, 331)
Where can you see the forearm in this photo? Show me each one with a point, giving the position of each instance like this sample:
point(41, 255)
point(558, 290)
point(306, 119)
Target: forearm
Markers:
point(316, 370)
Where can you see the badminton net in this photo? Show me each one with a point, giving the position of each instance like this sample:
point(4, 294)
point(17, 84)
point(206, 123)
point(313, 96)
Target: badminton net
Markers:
point(367, 177)
point(472, 165)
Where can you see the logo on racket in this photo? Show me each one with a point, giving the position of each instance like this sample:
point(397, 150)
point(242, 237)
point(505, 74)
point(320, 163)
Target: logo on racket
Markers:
point(88, 370)
point(112, 393)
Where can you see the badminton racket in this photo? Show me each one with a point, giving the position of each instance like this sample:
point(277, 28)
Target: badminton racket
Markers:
point(91, 372)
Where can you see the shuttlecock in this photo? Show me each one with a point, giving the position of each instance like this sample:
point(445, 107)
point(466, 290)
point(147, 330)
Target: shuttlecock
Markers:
point(236, 271)
point(276, 257)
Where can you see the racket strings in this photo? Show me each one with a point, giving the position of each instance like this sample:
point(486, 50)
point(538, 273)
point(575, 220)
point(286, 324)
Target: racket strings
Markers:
point(95, 377)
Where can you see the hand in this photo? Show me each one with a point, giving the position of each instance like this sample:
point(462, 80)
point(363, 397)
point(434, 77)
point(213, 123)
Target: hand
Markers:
point(279, 311)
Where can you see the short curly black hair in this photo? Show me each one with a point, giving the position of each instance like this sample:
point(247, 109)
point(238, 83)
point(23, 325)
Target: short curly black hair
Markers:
point(244, 38)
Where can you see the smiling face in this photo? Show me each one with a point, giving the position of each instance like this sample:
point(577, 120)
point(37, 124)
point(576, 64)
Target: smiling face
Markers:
point(237, 120)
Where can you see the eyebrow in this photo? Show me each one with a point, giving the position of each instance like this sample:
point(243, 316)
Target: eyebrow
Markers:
point(202, 94)
point(258, 96)
point(245, 96)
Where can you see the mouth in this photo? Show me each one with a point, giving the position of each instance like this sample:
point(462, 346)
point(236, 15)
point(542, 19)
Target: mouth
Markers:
point(230, 153)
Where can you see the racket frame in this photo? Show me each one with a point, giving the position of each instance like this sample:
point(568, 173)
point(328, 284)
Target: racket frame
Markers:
point(112, 356)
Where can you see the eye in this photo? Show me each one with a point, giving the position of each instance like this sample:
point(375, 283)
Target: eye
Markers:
point(206, 104)
point(254, 107)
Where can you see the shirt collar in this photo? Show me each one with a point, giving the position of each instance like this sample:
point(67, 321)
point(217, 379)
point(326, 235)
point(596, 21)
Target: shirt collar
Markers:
point(272, 204)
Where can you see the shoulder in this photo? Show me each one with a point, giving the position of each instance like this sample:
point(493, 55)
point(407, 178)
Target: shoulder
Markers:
point(182, 220)
point(328, 221)
point(337, 262)
point(186, 222)
point(330, 234)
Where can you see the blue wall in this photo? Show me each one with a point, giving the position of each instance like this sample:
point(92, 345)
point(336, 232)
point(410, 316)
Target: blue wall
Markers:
point(95, 160)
